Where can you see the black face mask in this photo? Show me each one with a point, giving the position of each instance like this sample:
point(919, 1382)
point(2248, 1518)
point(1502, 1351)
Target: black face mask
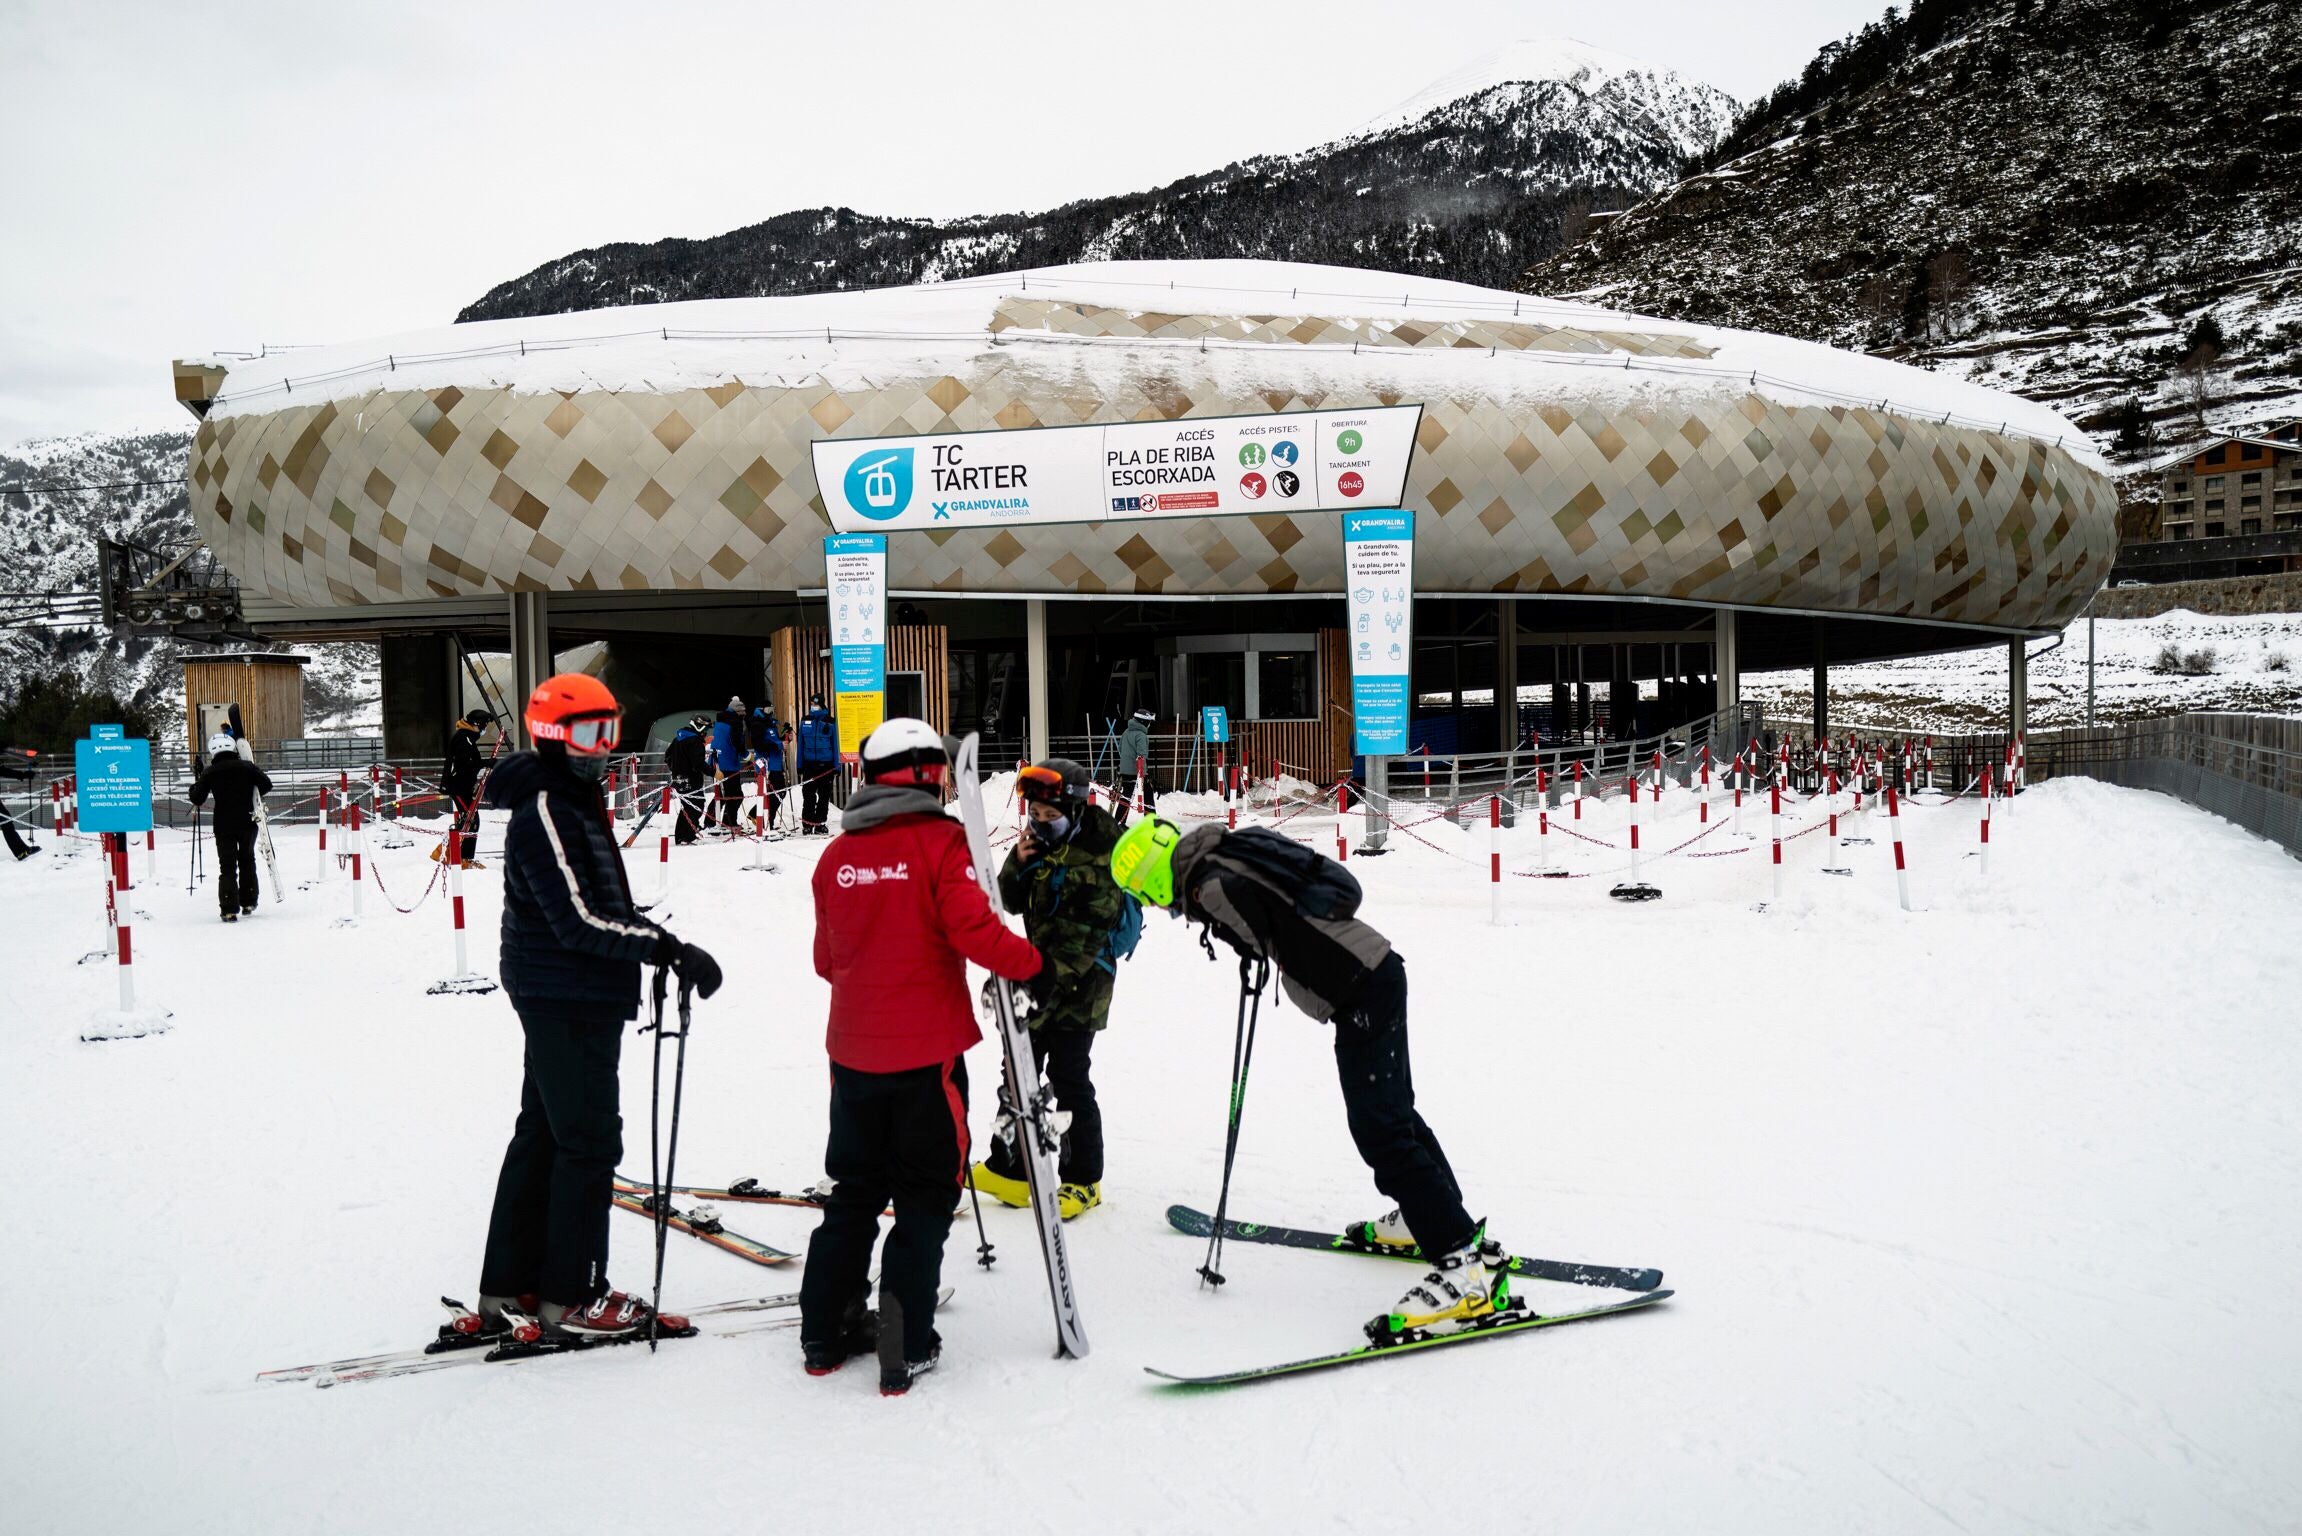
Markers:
point(1051, 832)
point(591, 769)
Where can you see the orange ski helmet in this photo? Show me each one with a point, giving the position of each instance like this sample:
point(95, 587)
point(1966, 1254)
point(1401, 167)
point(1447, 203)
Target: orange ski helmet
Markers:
point(576, 710)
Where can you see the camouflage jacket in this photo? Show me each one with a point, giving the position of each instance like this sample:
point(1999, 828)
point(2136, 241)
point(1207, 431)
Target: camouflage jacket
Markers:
point(1069, 904)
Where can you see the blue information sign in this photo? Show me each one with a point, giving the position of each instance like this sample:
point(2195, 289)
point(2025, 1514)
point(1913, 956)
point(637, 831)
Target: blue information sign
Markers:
point(1379, 577)
point(1215, 724)
point(115, 781)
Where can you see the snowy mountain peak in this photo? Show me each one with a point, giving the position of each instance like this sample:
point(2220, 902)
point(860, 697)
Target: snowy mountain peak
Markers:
point(1527, 61)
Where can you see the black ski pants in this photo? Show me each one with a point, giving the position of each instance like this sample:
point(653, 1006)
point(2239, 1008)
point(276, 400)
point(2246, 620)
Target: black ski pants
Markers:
point(899, 1136)
point(1062, 1055)
point(815, 799)
point(730, 799)
point(549, 1231)
point(1379, 1104)
point(691, 802)
point(468, 819)
point(236, 868)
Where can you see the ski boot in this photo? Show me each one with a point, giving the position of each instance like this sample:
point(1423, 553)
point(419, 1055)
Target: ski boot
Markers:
point(1076, 1199)
point(1464, 1288)
point(896, 1372)
point(1388, 1230)
point(858, 1334)
point(998, 1186)
point(612, 1316)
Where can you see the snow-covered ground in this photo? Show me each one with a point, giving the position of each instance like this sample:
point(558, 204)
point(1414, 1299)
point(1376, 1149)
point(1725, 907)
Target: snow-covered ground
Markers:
point(2255, 664)
point(1979, 1217)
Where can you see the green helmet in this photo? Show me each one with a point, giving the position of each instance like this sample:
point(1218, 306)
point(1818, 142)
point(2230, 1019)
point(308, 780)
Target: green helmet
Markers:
point(1143, 860)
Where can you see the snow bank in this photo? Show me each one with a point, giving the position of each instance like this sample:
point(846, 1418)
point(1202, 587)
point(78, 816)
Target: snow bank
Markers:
point(1977, 1215)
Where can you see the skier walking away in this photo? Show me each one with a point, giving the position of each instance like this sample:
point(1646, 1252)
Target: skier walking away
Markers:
point(683, 759)
point(235, 782)
point(897, 915)
point(818, 757)
point(767, 754)
point(1058, 876)
point(1134, 748)
point(1249, 889)
point(461, 781)
point(572, 951)
point(727, 754)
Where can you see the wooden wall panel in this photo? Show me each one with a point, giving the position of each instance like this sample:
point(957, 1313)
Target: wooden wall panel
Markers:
point(270, 694)
point(799, 668)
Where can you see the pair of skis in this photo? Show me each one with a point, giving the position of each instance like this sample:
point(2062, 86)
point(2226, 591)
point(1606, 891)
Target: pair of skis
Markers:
point(639, 1199)
point(1644, 1283)
point(1022, 1096)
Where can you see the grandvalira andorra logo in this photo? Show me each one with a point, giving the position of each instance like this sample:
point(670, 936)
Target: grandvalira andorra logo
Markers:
point(879, 483)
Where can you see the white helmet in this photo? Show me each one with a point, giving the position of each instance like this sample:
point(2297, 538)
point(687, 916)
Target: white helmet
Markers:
point(222, 743)
point(904, 752)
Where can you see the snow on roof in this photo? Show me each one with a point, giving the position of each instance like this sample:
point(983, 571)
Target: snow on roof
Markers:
point(853, 339)
point(2277, 444)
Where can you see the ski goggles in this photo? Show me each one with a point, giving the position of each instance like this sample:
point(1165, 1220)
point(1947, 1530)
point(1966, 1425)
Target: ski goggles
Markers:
point(1041, 785)
point(584, 736)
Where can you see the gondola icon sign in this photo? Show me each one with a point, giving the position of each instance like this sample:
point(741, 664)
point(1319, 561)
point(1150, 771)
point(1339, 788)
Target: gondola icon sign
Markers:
point(879, 485)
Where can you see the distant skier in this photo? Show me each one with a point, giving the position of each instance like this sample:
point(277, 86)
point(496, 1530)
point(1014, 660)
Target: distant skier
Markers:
point(235, 782)
point(572, 951)
point(690, 772)
point(1058, 877)
point(818, 760)
point(897, 914)
point(727, 754)
point(461, 781)
point(767, 755)
point(1134, 759)
point(1250, 889)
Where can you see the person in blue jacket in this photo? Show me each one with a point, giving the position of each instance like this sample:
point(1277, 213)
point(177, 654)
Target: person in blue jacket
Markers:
point(818, 759)
point(767, 753)
point(727, 755)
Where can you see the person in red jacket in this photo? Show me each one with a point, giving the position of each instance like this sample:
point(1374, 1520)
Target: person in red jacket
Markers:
point(898, 913)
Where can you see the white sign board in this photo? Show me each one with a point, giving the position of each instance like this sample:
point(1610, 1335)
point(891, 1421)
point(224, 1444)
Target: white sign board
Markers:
point(1201, 466)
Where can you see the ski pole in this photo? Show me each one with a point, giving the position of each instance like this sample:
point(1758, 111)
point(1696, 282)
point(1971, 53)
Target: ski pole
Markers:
point(1242, 1058)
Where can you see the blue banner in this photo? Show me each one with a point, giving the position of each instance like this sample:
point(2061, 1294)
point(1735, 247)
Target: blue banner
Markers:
point(115, 781)
point(855, 591)
point(1215, 724)
point(1379, 603)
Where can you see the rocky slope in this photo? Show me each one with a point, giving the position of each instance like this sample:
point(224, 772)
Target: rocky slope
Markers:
point(1483, 172)
point(2060, 197)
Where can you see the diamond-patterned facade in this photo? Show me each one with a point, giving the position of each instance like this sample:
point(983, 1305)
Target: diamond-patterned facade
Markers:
point(1694, 490)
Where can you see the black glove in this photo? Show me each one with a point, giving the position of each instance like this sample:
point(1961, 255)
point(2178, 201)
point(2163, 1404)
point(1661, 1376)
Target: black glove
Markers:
point(690, 963)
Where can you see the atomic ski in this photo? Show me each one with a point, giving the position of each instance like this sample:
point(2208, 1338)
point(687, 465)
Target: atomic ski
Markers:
point(1200, 1224)
point(639, 1199)
point(1023, 1095)
point(752, 1192)
point(1505, 1322)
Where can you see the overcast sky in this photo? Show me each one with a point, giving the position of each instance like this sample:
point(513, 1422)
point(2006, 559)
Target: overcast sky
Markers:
point(189, 177)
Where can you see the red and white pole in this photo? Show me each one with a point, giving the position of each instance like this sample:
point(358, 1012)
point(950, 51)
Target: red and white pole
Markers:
point(1426, 770)
point(1542, 819)
point(1138, 786)
point(1777, 825)
point(323, 856)
point(1634, 828)
point(1894, 821)
point(1986, 797)
point(1930, 762)
point(151, 854)
point(56, 805)
point(663, 846)
point(456, 895)
point(1578, 789)
point(1739, 774)
point(1705, 816)
point(1495, 859)
point(395, 791)
point(359, 850)
point(111, 900)
point(1342, 816)
point(126, 948)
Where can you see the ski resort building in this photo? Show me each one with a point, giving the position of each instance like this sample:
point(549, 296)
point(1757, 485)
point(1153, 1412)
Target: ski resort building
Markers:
point(1614, 515)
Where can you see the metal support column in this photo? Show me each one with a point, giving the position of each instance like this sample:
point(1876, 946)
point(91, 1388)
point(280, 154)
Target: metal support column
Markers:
point(1507, 672)
point(531, 638)
point(2017, 687)
point(1035, 670)
point(1378, 804)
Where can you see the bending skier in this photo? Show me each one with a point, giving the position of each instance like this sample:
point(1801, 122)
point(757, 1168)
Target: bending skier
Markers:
point(236, 783)
point(1059, 878)
point(1250, 889)
point(572, 951)
point(460, 779)
point(897, 915)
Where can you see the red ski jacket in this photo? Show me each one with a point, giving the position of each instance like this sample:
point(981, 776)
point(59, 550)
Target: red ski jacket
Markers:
point(897, 911)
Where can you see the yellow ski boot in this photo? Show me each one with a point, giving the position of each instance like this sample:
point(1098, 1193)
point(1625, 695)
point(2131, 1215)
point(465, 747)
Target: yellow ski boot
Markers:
point(1072, 1199)
point(1463, 1288)
point(999, 1187)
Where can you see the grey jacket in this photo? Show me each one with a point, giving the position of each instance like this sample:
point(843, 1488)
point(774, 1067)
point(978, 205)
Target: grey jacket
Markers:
point(1323, 963)
point(1134, 746)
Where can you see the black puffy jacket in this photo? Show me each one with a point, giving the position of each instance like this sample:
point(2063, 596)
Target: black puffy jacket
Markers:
point(235, 782)
point(570, 933)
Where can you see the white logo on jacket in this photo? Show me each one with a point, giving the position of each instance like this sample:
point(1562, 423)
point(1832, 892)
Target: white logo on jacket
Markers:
point(851, 875)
